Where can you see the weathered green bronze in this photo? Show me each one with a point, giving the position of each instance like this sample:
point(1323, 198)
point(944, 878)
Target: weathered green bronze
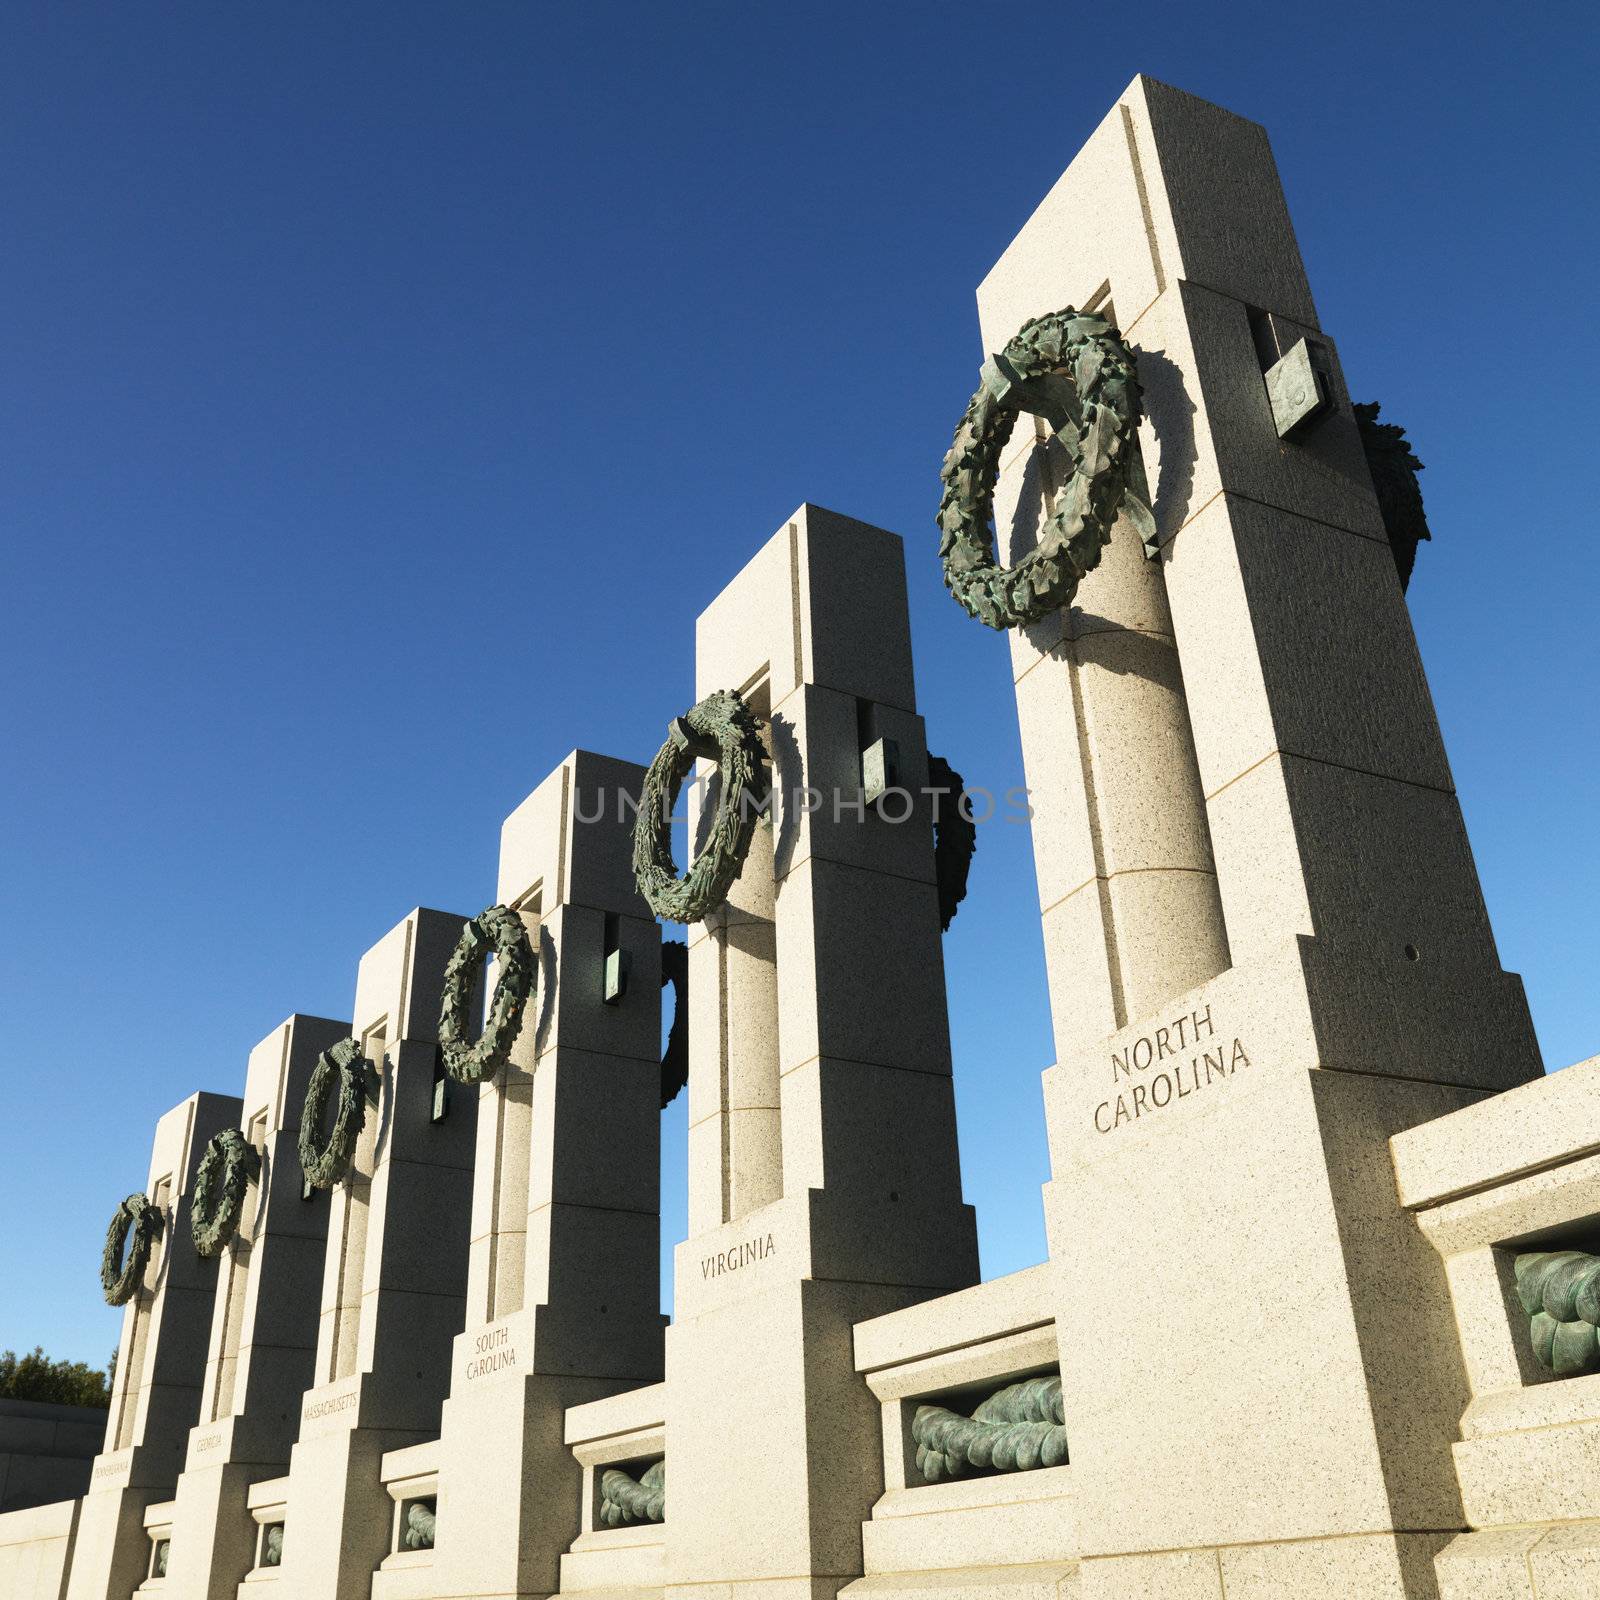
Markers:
point(675, 1058)
point(227, 1169)
point(624, 1499)
point(1075, 371)
point(1015, 1430)
point(1300, 387)
point(1394, 472)
point(722, 727)
point(501, 930)
point(343, 1067)
point(119, 1278)
point(955, 837)
point(1560, 1291)
point(272, 1545)
point(422, 1523)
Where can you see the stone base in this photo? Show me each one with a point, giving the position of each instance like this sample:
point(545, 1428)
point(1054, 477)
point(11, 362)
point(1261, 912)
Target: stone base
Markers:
point(36, 1550)
point(1561, 1563)
point(1256, 1341)
point(509, 1486)
point(1379, 1566)
point(1043, 1581)
point(813, 1588)
point(111, 1553)
point(758, 1393)
point(338, 1522)
point(213, 1533)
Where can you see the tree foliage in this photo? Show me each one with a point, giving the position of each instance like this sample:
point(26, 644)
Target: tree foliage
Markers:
point(62, 1383)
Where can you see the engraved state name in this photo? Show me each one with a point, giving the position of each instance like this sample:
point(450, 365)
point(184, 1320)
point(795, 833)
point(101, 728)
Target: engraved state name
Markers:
point(327, 1408)
point(491, 1352)
point(1159, 1069)
point(739, 1255)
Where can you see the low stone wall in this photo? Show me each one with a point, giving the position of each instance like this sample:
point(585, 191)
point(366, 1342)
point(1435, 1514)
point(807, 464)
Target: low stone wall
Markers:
point(411, 1479)
point(46, 1451)
point(36, 1549)
point(1009, 1535)
point(1490, 1185)
point(618, 1431)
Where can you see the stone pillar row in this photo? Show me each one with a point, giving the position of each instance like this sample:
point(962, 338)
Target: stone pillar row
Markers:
point(1267, 953)
point(518, 1216)
point(491, 1258)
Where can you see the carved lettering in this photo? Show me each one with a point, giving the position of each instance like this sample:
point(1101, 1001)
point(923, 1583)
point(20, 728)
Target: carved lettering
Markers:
point(756, 1248)
point(210, 1442)
point(1171, 1083)
point(492, 1351)
point(327, 1408)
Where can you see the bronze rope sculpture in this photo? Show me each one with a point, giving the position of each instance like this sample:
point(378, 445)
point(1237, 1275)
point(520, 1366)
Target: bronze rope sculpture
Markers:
point(422, 1525)
point(624, 1499)
point(1015, 1430)
point(1560, 1291)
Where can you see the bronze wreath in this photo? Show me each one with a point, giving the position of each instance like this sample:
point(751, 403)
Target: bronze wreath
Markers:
point(1394, 468)
point(675, 1058)
point(221, 1182)
point(502, 929)
point(343, 1064)
point(720, 726)
point(955, 837)
point(119, 1279)
point(1074, 370)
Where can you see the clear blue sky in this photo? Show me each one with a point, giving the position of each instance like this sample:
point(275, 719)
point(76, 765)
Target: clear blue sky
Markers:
point(386, 388)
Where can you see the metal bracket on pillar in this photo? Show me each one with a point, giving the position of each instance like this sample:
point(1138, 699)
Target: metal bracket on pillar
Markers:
point(1299, 386)
point(441, 1089)
point(617, 964)
point(880, 769)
